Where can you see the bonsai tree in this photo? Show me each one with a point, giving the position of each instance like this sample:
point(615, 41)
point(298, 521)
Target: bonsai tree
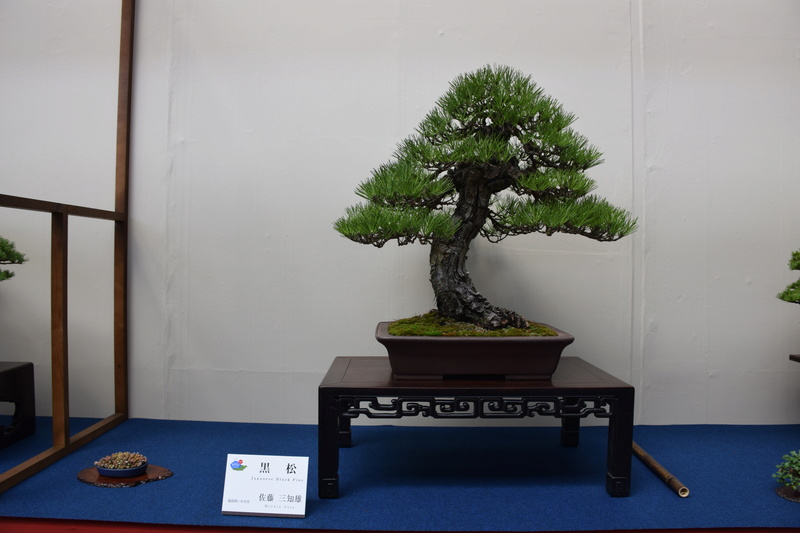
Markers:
point(496, 157)
point(788, 474)
point(9, 256)
point(792, 292)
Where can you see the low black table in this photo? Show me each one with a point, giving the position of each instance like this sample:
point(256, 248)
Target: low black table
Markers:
point(17, 387)
point(356, 386)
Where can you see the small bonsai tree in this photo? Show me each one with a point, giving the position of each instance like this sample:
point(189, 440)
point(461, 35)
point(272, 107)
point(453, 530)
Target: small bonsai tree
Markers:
point(788, 473)
point(9, 256)
point(792, 292)
point(496, 157)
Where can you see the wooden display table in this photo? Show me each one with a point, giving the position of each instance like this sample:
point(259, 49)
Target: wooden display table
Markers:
point(356, 386)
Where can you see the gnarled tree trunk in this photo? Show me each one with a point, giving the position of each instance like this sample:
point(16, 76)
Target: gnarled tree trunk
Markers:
point(456, 296)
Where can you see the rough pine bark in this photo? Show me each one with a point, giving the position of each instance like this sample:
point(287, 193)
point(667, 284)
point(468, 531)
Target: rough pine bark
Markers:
point(456, 295)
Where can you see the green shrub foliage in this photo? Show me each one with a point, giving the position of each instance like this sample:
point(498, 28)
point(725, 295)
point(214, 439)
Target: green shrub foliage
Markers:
point(788, 473)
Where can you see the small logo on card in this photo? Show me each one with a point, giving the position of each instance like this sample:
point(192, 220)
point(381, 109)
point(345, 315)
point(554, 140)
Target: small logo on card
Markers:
point(238, 465)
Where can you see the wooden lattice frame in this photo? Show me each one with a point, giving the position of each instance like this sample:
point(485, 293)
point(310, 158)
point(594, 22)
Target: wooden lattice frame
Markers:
point(63, 442)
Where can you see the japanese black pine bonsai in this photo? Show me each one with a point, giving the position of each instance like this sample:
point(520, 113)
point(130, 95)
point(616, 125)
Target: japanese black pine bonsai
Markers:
point(496, 157)
point(9, 256)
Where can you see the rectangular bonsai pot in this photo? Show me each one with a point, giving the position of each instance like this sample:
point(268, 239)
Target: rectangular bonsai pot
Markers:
point(473, 357)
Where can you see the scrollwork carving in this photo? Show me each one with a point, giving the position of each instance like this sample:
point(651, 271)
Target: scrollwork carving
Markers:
point(476, 407)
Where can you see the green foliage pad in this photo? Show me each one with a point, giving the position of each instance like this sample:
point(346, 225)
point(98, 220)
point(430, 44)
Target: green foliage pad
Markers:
point(497, 123)
point(791, 293)
point(9, 256)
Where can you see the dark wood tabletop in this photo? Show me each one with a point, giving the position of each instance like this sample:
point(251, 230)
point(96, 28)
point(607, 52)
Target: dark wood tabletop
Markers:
point(375, 373)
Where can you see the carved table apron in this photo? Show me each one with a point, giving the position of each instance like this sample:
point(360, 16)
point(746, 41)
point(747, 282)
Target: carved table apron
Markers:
point(356, 386)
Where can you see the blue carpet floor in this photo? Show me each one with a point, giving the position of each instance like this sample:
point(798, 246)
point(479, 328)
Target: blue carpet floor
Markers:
point(428, 479)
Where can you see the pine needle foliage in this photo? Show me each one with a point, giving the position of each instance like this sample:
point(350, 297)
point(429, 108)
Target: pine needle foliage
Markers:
point(377, 224)
point(791, 293)
point(495, 120)
point(9, 256)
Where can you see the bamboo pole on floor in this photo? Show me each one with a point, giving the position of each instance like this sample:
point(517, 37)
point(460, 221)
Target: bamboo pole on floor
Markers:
point(671, 481)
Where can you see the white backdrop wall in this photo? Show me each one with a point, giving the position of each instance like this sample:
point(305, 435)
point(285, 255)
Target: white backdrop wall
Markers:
point(254, 122)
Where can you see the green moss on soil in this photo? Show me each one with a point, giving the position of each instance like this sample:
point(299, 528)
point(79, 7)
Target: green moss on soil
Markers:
point(434, 325)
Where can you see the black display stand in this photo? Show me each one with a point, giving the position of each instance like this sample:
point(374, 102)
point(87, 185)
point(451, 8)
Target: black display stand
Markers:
point(356, 386)
point(17, 387)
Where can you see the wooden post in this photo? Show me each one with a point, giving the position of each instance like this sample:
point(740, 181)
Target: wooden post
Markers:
point(121, 206)
point(58, 328)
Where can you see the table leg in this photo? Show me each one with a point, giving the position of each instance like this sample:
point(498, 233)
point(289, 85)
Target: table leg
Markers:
point(345, 434)
point(620, 445)
point(328, 445)
point(570, 425)
point(570, 431)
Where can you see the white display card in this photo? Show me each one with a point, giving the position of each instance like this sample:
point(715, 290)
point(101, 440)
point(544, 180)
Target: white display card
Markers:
point(265, 485)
